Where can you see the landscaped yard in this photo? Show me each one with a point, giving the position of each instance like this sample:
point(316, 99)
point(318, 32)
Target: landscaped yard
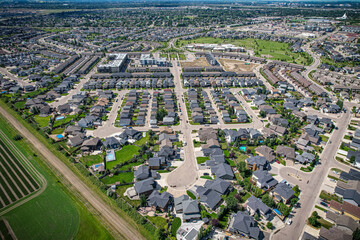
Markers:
point(160, 222)
point(176, 223)
point(201, 160)
point(67, 119)
point(89, 160)
point(42, 121)
point(143, 140)
point(123, 155)
point(121, 177)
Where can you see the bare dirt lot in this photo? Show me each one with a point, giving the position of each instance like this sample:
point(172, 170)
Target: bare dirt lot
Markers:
point(236, 65)
point(200, 62)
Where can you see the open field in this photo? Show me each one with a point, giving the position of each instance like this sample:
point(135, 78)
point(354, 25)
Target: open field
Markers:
point(55, 213)
point(236, 65)
point(16, 181)
point(273, 50)
point(200, 62)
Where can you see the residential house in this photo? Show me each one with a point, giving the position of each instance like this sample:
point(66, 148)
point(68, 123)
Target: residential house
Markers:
point(243, 224)
point(160, 201)
point(256, 206)
point(282, 193)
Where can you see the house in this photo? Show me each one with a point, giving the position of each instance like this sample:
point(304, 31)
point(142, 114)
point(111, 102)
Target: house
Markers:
point(266, 152)
point(75, 141)
point(145, 187)
point(130, 134)
point(256, 206)
point(334, 233)
point(263, 179)
point(219, 185)
point(207, 134)
point(222, 171)
point(305, 158)
point(346, 208)
point(91, 144)
point(210, 198)
point(243, 224)
point(287, 152)
point(188, 207)
point(257, 162)
point(156, 163)
point(142, 172)
point(350, 191)
point(282, 193)
point(160, 201)
point(346, 223)
point(111, 143)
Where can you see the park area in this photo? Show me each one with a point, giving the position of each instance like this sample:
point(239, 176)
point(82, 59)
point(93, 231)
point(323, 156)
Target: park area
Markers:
point(262, 48)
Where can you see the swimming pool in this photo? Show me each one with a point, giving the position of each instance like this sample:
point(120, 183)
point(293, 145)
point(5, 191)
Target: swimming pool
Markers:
point(277, 211)
point(243, 148)
point(98, 165)
point(59, 118)
point(59, 136)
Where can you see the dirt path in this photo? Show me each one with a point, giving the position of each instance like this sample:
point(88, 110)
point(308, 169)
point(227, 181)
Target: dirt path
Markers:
point(118, 224)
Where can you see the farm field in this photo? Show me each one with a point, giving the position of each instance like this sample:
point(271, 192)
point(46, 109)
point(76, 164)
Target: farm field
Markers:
point(16, 182)
point(55, 213)
point(269, 49)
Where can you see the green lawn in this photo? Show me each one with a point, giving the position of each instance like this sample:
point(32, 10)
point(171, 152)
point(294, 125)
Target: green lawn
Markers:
point(277, 50)
point(201, 160)
point(123, 155)
point(143, 140)
point(58, 131)
point(324, 138)
point(176, 223)
point(160, 222)
point(190, 194)
point(325, 223)
point(89, 160)
point(20, 105)
point(67, 119)
point(121, 177)
point(42, 121)
point(55, 213)
point(206, 177)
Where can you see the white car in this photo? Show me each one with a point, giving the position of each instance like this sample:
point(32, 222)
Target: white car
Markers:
point(289, 222)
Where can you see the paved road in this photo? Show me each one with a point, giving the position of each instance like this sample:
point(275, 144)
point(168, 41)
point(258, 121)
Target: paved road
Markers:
point(310, 190)
point(11, 76)
point(119, 226)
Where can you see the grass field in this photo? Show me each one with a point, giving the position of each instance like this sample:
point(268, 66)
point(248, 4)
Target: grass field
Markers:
point(55, 213)
point(91, 159)
point(121, 177)
point(123, 155)
point(269, 49)
point(42, 121)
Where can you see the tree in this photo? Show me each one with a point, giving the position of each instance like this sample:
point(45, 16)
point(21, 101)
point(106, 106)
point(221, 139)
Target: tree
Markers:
point(293, 201)
point(262, 114)
point(215, 222)
point(340, 104)
point(269, 225)
point(268, 200)
point(160, 234)
point(231, 203)
point(296, 189)
point(313, 219)
point(356, 234)
point(143, 201)
point(352, 159)
point(160, 114)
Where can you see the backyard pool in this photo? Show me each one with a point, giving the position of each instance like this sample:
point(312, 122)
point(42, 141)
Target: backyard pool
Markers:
point(59, 118)
point(277, 212)
point(59, 136)
point(243, 148)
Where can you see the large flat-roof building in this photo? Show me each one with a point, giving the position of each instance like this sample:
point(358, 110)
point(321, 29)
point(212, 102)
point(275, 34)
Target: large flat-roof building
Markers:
point(118, 61)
